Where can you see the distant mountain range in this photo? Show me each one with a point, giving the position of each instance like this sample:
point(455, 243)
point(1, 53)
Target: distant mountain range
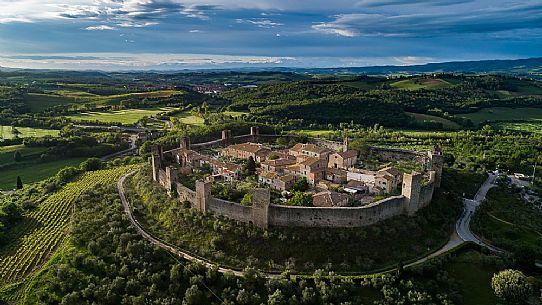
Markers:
point(527, 67)
point(530, 66)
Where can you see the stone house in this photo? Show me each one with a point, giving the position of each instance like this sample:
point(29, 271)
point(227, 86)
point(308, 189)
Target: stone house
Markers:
point(313, 169)
point(330, 199)
point(309, 150)
point(278, 165)
point(246, 150)
point(275, 181)
point(336, 175)
point(344, 159)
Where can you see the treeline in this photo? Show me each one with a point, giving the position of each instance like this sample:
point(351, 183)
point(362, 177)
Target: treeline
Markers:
point(333, 102)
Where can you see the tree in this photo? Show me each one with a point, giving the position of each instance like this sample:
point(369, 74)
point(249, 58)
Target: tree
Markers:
point(511, 286)
point(301, 199)
point(301, 185)
point(250, 167)
point(91, 164)
point(19, 183)
point(247, 199)
point(17, 156)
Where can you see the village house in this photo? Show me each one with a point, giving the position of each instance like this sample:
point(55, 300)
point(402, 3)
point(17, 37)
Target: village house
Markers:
point(313, 169)
point(336, 175)
point(344, 159)
point(330, 199)
point(302, 151)
point(278, 165)
point(275, 181)
point(383, 181)
point(246, 150)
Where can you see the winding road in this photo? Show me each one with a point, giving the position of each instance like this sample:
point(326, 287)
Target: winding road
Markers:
point(462, 226)
point(461, 234)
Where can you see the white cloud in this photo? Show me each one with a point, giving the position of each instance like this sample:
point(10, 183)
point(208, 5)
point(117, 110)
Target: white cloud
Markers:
point(261, 23)
point(124, 61)
point(102, 27)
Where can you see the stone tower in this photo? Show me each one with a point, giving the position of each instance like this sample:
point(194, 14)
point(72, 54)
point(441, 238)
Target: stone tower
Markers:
point(436, 162)
point(156, 161)
point(260, 207)
point(185, 143)
point(226, 137)
point(412, 186)
point(255, 133)
point(203, 194)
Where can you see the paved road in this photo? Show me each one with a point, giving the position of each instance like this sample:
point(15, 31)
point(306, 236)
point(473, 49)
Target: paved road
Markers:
point(462, 226)
point(458, 237)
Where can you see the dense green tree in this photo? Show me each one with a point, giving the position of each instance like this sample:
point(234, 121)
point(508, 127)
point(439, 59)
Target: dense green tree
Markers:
point(91, 164)
point(249, 168)
point(17, 156)
point(511, 286)
point(300, 199)
point(19, 184)
point(301, 185)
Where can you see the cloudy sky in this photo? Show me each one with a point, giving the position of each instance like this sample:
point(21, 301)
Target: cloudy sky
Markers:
point(173, 34)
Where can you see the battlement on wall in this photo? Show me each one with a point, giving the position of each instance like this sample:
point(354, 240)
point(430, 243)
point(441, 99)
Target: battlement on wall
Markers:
point(415, 194)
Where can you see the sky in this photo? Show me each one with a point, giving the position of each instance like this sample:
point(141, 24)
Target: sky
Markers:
point(178, 34)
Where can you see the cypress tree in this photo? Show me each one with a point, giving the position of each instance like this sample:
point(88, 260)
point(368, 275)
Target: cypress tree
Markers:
point(19, 183)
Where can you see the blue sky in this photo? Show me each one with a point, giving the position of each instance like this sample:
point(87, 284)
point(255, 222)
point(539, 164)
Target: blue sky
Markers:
point(174, 34)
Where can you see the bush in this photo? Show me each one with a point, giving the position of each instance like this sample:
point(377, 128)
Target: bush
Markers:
point(511, 286)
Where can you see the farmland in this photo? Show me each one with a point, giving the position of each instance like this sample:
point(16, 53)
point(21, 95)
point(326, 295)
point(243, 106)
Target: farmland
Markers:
point(127, 116)
point(34, 172)
point(7, 132)
point(27, 153)
point(43, 229)
point(504, 114)
point(421, 83)
point(431, 118)
point(42, 101)
point(189, 119)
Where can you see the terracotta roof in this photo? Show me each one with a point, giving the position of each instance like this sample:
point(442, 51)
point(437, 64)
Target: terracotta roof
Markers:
point(249, 147)
point(337, 171)
point(298, 147)
point(348, 154)
point(310, 161)
point(390, 170)
point(328, 199)
point(268, 175)
point(315, 149)
point(286, 178)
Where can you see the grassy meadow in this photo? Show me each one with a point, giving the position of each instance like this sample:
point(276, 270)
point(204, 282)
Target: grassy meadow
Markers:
point(35, 172)
point(189, 119)
point(504, 114)
point(421, 83)
point(432, 118)
point(127, 116)
point(41, 101)
point(7, 132)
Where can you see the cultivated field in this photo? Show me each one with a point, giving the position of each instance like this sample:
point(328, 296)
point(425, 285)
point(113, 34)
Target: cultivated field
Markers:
point(7, 132)
point(128, 116)
point(43, 229)
point(189, 119)
point(504, 114)
point(421, 83)
point(34, 172)
point(432, 118)
point(41, 101)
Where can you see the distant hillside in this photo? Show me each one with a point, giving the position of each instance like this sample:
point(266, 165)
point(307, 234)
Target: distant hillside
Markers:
point(531, 67)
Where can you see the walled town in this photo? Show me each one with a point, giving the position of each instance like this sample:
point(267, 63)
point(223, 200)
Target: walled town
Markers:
point(335, 188)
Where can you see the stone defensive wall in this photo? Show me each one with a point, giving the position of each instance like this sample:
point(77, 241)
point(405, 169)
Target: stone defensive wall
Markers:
point(417, 192)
